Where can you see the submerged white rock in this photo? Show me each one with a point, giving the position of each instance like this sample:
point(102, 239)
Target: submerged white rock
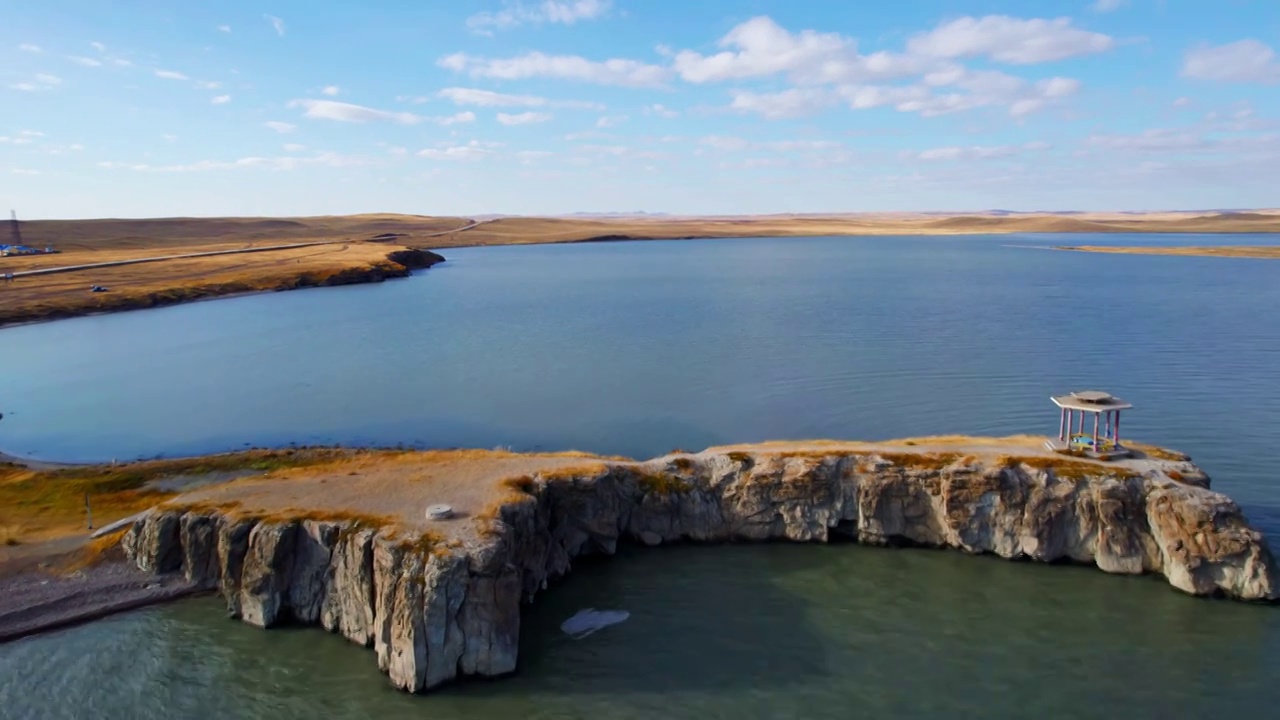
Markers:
point(590, 620)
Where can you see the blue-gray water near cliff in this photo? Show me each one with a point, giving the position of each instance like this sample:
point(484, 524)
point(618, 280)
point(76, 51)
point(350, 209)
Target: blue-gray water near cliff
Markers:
point(638, 348)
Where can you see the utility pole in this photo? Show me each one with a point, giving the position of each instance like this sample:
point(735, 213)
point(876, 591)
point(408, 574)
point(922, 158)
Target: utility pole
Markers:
point(13, 227)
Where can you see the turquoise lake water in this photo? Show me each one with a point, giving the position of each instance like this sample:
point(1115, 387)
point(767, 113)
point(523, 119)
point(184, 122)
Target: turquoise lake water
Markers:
point(639, 348)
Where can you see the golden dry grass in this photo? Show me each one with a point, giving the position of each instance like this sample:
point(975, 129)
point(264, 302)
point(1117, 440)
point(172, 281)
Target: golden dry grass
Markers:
point(39, 505)
point(48, 297)
point(1271, 252)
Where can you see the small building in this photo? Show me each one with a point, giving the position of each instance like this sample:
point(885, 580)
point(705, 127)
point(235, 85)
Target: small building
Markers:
point(1075, 437)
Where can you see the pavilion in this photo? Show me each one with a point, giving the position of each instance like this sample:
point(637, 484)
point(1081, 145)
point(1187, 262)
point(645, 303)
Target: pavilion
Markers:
point(1105, 441)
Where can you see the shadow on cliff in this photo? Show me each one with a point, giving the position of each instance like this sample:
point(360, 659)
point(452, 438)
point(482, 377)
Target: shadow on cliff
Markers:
point(703, 618)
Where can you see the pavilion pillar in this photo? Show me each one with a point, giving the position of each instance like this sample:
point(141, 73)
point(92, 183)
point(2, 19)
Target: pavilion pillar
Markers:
point(1080, 424)
point(1115, 432)
point(1062, 425)
point(1097, 421)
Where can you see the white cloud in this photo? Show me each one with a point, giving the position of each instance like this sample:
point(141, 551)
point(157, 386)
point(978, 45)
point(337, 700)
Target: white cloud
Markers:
point(1106, 6)
point(347, 112)
point(661, 111)
point(1182, 102)
point(566, 12)
point(25, 171)
point(288, 162)
point(208, 84)
point(473, 150)
point(24, 87)
point(280, 127)
point(1243, 61)
point(294, 147)
point(982, 88)
point(47, 79)
point(523, 118)
point(331, 90)
point(169, 137)
point(456, 118)
point(276, 23)
point(979, 152)
point(28, 47)
point(730, 143)
point(31, 133)
point(528, 157)
point(1010, 40)
point(626, 73)
point(5, 140)
point(87, 62)
point(795, 102)
point(98, 46)
point(608, 121)
point(171, 75)
point(224, 28)
point(762, 47)
point(221, 100)
point(488, 98)
point(1156, 139)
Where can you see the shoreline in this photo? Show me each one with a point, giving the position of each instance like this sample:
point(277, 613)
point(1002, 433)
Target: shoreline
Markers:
point(1253, 252)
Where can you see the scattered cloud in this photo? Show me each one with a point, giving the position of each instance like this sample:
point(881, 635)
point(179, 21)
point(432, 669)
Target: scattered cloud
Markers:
point(276, 23)
point(1009, 40)
point(795, 102)
point(625, 73)
point(608, 121)
point(86, 61)
point(280, 127)
point(979, 152)
point(224, 28)
point(167, 137)
point(28, 47)
point(488, 98)
point(1156, 139)
point(294, 147)
point(7, 140)
point(456, 118)
point(524, 118)
point(171, 75)
point(1106, 6)
point(221, 100)
point(208, 84)
point(473, 150)
point(47, 79)
point(661, 111)
point(288, 162)
point(98, 46)
point(24, 87)
point(515, 13)
point(25, 171)
point(528, 157)
point(1182, 102)
point(1243, 61)
point(331, 90)
point(347, 112)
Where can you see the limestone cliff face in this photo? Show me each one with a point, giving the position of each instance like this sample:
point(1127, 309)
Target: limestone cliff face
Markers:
point(433, 614)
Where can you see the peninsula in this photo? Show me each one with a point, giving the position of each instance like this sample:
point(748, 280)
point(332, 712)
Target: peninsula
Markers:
point(345, 539)
point(152, 262)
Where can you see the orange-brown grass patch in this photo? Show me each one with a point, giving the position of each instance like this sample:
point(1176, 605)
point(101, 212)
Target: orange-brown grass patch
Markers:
point(95, 552)
point(572, 472)
point(1175, 476)
point(1159, 453)
point(1067, 469)
point(921, 461)
point(740, 457)
point(45, 504)
point(661, 483)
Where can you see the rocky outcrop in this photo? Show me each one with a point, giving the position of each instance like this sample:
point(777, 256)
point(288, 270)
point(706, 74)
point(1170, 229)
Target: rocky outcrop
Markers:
point(435, 612)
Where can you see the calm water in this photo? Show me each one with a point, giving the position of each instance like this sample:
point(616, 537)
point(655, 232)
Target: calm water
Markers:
point(637, 348)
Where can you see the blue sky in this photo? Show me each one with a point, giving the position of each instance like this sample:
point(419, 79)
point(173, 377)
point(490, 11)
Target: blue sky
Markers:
point(284, 107)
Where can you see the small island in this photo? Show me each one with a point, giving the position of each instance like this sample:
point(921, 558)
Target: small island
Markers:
point(356, 541)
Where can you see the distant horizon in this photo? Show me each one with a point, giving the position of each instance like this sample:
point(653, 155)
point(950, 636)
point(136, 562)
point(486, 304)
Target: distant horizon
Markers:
point(641, 214)
point(543, 108)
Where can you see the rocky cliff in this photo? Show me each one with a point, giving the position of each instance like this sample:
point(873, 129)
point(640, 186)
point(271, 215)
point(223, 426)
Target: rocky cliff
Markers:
point(434, 611)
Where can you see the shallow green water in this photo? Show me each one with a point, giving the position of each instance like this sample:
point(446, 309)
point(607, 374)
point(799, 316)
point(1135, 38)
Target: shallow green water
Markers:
point(637, 348)
point(771, 631)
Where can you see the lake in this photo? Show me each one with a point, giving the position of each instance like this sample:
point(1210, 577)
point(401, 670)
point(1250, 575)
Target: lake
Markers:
point(638, 348)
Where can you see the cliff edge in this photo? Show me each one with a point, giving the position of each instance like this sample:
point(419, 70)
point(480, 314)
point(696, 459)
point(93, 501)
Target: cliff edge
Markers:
point(439, 601)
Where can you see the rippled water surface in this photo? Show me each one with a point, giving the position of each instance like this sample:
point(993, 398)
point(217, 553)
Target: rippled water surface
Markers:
point(637, 348)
